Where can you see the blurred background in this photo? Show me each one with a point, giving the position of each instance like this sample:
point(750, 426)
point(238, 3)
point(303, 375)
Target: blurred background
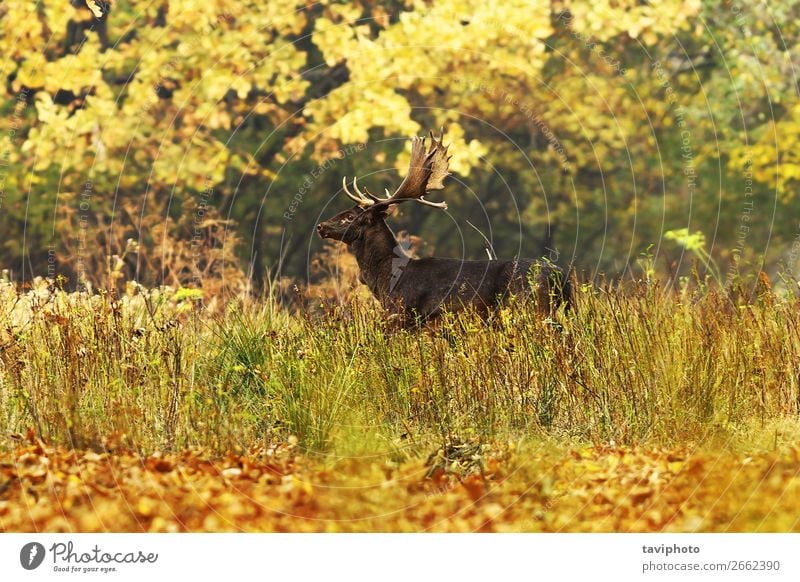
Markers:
point(197, 143)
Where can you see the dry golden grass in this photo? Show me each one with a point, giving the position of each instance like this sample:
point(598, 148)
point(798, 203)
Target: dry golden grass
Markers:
point(641, 410)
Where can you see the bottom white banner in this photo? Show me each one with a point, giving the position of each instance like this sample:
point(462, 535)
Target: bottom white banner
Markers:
point(401, 556)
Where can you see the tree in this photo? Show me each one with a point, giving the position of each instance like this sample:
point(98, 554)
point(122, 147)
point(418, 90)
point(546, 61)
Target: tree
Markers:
point(580, 129)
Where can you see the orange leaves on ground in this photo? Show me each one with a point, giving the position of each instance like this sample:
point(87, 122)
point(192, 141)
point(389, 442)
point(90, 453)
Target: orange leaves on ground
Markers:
point(45, 488)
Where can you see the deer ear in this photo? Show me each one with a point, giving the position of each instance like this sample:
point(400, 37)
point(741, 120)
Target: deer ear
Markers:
point(388, 211)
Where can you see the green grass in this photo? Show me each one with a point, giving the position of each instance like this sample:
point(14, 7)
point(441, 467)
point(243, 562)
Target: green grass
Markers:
point(155, 371)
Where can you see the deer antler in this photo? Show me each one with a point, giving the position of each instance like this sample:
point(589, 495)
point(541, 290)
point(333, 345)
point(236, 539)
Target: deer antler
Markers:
point(363, 200)
point(427, 171)
point(440, 163)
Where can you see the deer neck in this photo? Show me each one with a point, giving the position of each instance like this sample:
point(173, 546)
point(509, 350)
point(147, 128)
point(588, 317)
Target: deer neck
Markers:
point(378, 255)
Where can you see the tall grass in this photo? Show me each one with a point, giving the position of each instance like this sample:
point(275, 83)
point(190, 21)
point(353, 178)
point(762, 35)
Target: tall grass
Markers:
point(154, 371)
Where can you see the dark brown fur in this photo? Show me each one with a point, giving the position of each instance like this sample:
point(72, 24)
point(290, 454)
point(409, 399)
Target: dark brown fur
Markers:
point(421, 289)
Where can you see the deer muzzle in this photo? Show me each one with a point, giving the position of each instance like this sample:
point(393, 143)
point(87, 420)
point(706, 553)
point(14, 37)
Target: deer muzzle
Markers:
point(322, 230)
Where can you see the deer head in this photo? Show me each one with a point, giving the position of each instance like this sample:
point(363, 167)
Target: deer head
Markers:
point(427, 171)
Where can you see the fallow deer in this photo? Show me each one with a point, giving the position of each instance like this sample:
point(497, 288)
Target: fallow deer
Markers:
point(419, 290)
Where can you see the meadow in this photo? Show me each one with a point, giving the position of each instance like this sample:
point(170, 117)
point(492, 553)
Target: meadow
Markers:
point(643, 408)
point(171, 156)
